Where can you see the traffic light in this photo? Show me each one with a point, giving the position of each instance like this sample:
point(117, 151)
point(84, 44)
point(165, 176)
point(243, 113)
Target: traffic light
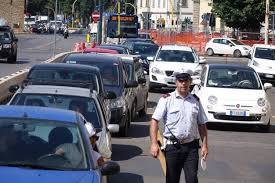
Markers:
point(122, 6)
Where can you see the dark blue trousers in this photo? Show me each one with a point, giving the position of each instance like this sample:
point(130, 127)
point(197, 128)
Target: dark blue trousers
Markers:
point(182, 156)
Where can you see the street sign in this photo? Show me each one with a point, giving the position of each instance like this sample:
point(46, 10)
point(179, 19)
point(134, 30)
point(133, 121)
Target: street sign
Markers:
point(95, 16)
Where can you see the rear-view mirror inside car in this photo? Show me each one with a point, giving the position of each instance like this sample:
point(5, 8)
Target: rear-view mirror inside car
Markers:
point(131, 84)
point(13, 88)
point(110, 95)
point(141, 80)
point(113, 128)
point(109, 168)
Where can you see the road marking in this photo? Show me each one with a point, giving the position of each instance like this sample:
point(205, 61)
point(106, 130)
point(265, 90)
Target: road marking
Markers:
point(44, 45)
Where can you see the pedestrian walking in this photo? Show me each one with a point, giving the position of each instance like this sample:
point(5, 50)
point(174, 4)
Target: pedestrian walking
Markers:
point(184, 124)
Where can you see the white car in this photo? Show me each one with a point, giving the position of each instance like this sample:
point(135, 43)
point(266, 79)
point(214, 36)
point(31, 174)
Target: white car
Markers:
point(226, 46)
point(170, 59)
point(233, 94)
point(262, 60)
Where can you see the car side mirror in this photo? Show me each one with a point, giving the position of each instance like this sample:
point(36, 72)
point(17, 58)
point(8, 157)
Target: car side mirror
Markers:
point(113, 128)
point(231, 45)
point(202, 60)
point(109, 168)
point(131, 84)
point(196, 82)
point(141, 80)
point(13, 88)
point(110, 95)
point(150, 58)
point(16, 39)
point(249, 55)
point(267, 86)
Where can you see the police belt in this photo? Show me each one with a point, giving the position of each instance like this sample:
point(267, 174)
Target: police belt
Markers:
point(171, 140)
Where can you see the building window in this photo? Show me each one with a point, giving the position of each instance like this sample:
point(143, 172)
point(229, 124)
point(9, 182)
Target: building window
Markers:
point(147, 3)
point(140, 3)
point(153, 3)
point(183, 4)
point(158, 3)
point(164, 3)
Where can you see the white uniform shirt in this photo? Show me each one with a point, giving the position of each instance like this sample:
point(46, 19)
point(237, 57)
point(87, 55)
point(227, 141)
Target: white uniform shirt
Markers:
point(181, 115)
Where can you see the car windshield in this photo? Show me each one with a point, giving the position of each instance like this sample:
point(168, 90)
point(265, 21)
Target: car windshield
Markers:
point(41, 144)
point(265, 53)
point(148, 49)
point(176, 56)
point(237, 42)
point(5, 35)
point(233, 78)
point(86, 106)
point(108, 70)
point(64, 76)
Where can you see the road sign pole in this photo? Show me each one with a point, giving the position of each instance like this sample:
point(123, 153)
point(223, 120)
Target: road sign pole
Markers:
point(99, 35)
point(118, 20)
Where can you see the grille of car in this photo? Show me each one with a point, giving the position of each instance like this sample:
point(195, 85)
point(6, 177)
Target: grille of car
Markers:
point(169, 73)
point(237, 118)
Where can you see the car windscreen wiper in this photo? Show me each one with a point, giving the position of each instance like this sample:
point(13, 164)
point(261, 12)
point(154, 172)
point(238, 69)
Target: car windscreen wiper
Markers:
point(31, 166)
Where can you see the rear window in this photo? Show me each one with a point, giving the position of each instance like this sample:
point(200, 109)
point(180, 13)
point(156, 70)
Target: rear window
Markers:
point(265, 53)
point(176, 56)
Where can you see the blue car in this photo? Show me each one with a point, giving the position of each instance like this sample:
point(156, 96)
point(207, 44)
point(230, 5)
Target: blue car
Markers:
point(39, 144)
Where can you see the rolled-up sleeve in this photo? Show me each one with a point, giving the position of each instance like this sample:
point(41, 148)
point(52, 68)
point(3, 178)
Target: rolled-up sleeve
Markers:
point(202, 118)
point(160, 109)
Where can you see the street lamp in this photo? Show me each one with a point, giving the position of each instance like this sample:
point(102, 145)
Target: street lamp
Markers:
point(73, 13)
point(266, 21)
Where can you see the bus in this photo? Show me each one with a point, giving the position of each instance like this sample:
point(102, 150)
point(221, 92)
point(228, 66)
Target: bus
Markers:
point(128, 26)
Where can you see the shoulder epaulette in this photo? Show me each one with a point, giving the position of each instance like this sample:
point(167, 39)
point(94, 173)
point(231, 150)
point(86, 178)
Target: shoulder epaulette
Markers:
point(196, 97)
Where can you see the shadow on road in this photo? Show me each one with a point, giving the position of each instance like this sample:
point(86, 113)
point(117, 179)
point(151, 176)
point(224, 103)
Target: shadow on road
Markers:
point(125, 152)
point(139, 130)
point(238, 128)
point(124, 177)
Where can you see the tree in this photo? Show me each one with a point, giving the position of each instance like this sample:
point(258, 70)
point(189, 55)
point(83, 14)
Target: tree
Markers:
point(241, 14)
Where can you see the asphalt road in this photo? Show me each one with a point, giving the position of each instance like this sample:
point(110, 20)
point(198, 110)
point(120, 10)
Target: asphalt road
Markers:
point(36, 48)
point(238, 154)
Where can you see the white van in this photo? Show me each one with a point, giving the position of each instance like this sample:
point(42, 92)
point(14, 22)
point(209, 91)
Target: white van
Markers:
point(262, 59)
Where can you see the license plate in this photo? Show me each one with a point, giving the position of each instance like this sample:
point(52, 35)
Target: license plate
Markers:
point(237, 113)
point(269, 76)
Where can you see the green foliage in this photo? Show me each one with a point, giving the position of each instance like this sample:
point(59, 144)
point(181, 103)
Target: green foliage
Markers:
point(241, 14)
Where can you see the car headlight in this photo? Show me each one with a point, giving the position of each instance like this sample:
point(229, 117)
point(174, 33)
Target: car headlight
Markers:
point(117, 103)
point(7, 46)
point(156, 71)
point(261, 102)
point(212, 100)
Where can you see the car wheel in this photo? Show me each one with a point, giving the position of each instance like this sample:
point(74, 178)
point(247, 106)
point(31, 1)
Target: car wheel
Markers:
point(237, 53)
point(143, 111)
point(266, 127)
point(134, 111)
point(210, 52)
point(12, 59)
point(123, 131)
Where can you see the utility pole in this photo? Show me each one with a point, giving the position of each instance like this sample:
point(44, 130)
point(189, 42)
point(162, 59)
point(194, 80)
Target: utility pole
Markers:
point(73, 13)
point(266, 21)
point(118, 20)
point(55, 17)
point(99, 28)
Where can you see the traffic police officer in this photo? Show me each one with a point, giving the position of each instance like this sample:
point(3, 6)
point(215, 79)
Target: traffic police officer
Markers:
point(184, 123)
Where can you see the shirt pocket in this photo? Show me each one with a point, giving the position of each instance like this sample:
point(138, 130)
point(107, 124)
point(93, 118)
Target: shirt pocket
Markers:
point(173, 115)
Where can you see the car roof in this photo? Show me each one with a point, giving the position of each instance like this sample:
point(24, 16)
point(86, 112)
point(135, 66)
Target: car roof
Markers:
point(176, 47)
point(264, 46)
point(58, 66)
point(99, 50)
point(145, 43)
point(86, 57)
point(230, 66)
point(34, 112)
point(58, 90)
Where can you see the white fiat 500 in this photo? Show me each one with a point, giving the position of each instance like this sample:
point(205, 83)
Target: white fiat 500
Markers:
point(170, 59)
point(233, 94)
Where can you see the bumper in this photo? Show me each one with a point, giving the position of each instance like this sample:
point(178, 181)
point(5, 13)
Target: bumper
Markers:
point(117, 115)
point(260, 119)
point(4, 53)
point(162, 81)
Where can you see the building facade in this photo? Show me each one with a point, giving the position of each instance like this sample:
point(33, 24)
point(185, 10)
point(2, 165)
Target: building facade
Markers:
point(13, 12)
point(168, 14)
